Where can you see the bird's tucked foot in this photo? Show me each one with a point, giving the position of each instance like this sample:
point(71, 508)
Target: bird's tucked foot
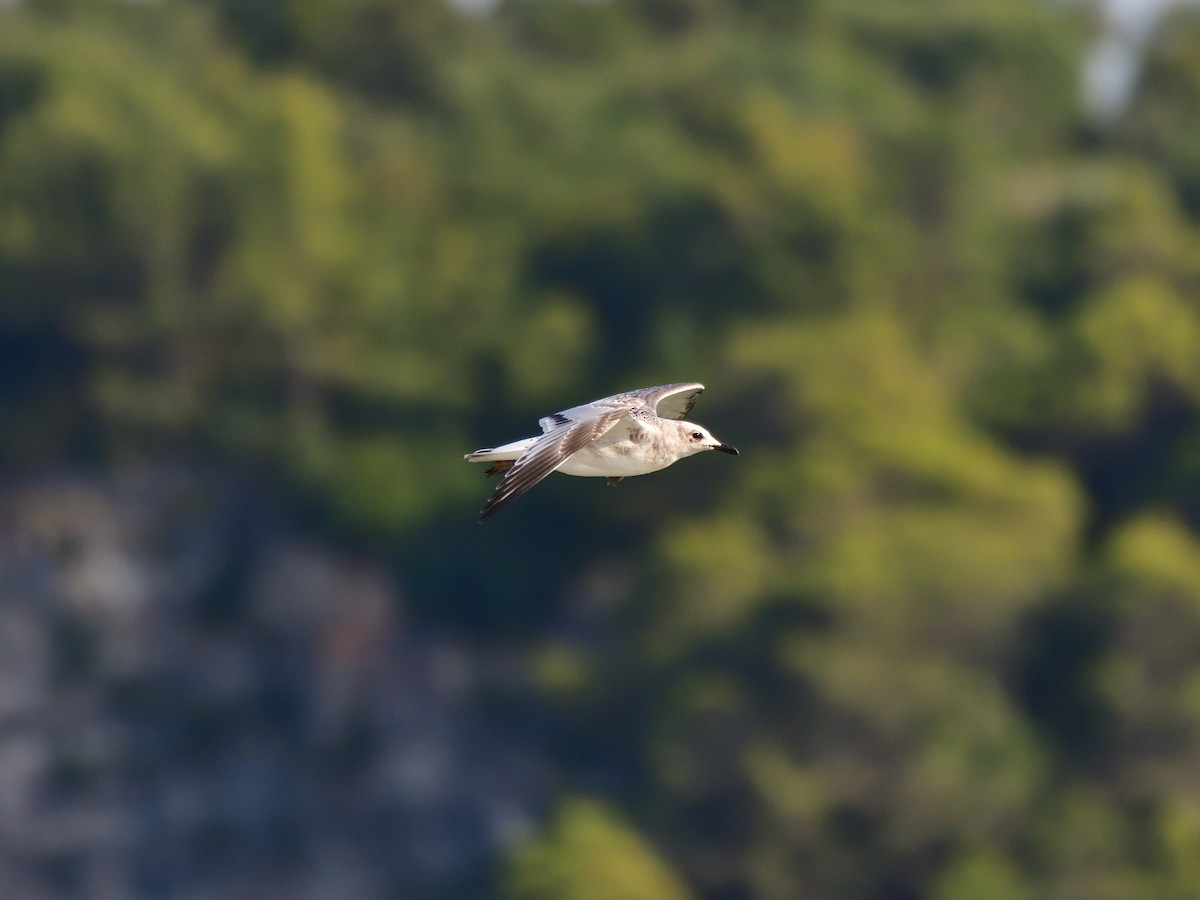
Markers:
point(613, 479)
point(502, 465)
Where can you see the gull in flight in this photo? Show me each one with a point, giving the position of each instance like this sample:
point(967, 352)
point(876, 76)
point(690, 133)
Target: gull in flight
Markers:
point(633, 433)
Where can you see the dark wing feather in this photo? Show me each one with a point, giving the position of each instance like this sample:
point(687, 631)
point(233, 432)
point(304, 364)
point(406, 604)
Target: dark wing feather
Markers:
point(550, 452)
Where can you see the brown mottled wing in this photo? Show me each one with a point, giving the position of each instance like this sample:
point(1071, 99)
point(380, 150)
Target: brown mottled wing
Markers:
point(550, 452)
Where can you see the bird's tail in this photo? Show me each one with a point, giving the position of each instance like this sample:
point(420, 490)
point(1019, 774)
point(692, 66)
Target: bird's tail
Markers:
point(507, 451)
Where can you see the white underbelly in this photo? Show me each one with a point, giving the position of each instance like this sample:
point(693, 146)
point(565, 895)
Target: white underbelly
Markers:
point(620, 460)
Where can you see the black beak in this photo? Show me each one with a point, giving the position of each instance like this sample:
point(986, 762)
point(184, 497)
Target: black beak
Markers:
point(726, 448)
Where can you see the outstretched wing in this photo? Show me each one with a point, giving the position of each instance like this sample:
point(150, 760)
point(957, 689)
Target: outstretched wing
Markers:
point(551, 450)
point(669, 401)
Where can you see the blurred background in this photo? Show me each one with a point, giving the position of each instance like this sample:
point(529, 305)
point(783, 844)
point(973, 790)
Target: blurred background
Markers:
point(268, 269)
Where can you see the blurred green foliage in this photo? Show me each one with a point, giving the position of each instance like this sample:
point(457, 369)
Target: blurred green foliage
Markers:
point(589, 854)
point(936, 633)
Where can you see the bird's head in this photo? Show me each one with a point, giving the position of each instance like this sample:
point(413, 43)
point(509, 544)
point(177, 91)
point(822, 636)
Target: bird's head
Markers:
point(700, 438)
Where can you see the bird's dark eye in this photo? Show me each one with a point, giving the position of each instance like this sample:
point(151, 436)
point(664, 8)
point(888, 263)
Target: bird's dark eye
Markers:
point(697, 436)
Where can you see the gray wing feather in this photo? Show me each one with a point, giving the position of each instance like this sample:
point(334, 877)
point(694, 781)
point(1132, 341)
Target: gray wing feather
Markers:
point(669, 401)
point(549, 423)
point(551, 451)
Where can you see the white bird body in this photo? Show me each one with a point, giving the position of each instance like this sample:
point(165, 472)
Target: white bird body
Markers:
point(615, 437)
point(615, 454)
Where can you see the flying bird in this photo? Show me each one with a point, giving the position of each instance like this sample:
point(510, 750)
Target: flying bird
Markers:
point(633, 433)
